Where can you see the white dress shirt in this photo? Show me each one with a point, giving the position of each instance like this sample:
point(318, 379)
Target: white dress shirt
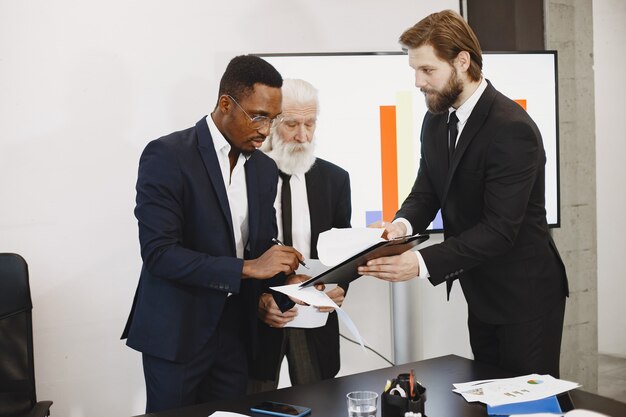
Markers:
point(462, 113)
point(236, 187)
point(300, 214)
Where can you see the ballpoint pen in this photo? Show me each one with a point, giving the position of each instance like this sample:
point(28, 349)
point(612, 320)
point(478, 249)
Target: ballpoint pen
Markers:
point(279, 243)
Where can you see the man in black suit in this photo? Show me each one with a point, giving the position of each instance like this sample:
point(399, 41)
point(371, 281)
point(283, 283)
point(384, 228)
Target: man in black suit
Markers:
point(320, 200)
point(482, 163)
point(206, 219)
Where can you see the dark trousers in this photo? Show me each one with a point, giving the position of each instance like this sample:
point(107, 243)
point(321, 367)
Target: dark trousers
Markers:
point(219, 371)
point(523, 348)
point(302, 360)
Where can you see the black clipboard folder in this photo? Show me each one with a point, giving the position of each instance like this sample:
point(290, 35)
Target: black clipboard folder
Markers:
point(347, 271)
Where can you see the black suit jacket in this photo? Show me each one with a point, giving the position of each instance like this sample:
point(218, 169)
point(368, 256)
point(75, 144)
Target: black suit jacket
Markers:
point(328, 193)
point(188, 246)
point(492, 199)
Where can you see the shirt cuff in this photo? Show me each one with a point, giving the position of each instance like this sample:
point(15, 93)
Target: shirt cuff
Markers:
point(405, 222)
point(423, 269)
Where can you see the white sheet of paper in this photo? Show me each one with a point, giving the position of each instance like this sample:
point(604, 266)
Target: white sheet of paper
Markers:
point(513, 390)
point(308, 317)
point(315, 267)
point(337, 245)
point(309, 295)
point(317, 298)
point(227, 414)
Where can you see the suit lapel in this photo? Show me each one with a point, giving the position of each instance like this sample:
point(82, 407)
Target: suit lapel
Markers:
point(312, 180)
point(212, 165)
point(474, 123)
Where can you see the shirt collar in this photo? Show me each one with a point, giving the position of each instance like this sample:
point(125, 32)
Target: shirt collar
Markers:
point(465, 109)
point(219, 141)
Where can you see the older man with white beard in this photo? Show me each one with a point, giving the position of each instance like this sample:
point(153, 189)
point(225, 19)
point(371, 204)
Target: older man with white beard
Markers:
point(313, 196)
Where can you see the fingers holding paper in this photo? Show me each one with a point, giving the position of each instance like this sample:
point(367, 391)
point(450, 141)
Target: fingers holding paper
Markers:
point(296, 279)
point(392, 230)
point(269, 313)
point(396, 268)
point(337, 294)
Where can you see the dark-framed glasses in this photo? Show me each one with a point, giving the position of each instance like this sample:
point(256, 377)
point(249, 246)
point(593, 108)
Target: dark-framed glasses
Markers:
point(256, 122)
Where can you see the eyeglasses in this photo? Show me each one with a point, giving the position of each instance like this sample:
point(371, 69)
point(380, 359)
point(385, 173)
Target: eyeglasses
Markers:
point(256, 122)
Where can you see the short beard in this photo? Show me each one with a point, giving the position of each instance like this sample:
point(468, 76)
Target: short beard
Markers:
point(441, 101)
point(292, 158)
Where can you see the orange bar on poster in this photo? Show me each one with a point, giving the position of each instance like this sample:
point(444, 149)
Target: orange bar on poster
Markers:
point(389, 161)
point(521, 102)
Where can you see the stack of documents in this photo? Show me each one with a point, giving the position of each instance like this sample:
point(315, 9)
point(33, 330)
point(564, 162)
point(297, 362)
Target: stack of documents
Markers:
point(520, 395)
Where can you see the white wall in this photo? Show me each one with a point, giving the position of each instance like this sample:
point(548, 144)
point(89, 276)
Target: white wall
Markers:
point(609, 27)
point(84, 85)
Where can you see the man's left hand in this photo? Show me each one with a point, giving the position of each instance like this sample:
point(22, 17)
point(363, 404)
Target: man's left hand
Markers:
point(337, 295)
point(401, 267)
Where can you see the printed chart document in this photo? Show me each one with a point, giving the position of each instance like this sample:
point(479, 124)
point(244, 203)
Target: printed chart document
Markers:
point(524, 388)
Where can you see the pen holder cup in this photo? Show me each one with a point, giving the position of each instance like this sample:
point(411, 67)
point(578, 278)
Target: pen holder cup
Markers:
point(392, 405)
point(397, 399)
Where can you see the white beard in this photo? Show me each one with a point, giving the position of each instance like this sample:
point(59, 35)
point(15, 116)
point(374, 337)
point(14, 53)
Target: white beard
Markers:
point(292, 158)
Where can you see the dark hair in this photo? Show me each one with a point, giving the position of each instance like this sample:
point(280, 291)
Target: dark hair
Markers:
point(243, 72)
point(448, 33)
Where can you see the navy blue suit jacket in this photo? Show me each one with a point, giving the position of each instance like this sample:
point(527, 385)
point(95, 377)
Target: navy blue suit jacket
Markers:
point(492, 200)
point(187, 243)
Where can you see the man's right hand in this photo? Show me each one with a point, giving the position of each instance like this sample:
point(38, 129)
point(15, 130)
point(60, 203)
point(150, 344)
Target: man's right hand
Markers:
point(392, 230)
point(271, 315)
point(274, 260)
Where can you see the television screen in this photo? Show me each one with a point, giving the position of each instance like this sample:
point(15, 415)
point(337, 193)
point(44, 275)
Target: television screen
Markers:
point(371, 115)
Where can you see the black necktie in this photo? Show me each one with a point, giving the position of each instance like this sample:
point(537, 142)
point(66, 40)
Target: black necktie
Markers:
point(453, 131)
point(285, 205)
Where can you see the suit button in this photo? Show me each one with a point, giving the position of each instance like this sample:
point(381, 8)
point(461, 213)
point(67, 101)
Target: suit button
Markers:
point(447, 276)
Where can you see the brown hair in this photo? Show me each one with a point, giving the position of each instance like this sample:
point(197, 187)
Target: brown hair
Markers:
point(448, 33)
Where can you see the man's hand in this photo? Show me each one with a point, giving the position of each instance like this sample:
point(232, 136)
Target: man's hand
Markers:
point(297, 279)
point(401, 267)
point(392, 230)
point(337, 295)
point(271, 315)
point(274, 260)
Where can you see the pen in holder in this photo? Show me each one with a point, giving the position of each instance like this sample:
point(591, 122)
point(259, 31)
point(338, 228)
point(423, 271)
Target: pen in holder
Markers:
point(402, 395)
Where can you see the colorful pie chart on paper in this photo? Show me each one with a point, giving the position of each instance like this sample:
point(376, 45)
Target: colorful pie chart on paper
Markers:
point(535, 381)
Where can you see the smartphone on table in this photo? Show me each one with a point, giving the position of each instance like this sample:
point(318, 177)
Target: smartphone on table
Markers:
point(280, 409)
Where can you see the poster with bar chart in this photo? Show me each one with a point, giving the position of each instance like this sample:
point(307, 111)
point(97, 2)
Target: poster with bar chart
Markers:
point(371, 115)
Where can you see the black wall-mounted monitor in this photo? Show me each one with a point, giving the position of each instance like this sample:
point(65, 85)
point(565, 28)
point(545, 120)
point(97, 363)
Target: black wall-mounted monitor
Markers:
point(371, 115)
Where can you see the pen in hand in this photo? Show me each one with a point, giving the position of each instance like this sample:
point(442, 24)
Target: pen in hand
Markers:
point(279, 243)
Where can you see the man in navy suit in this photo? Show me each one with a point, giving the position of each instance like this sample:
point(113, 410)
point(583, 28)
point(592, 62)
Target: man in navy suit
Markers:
point(320, 200)
point(482, 163)
point(206, 219)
